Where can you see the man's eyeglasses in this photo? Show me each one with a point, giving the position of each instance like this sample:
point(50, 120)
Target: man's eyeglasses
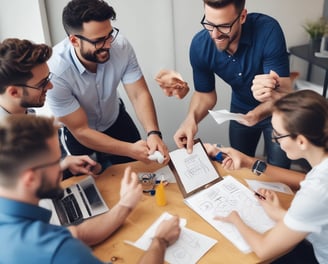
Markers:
point(100, 43)
point(42, 84)
point(275, 136)
point(49, 164)
point(223, 28)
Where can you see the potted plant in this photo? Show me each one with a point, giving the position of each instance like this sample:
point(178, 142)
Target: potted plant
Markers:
point(316, 30)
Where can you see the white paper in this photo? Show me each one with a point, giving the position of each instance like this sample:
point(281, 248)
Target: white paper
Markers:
point(222, 198)
point(189, 248)
point(274, 186)
point(194, 169)
point(221, 116)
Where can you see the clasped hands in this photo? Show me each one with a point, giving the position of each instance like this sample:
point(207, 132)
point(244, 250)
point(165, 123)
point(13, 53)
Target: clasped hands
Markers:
point(265, 86)
point(172, 83)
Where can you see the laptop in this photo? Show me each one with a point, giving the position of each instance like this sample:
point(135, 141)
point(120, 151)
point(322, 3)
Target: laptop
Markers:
point(80, 201)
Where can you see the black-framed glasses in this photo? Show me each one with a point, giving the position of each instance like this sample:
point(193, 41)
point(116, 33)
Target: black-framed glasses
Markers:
point(276, 136)
point(222, 28)
point(100, 42)
point(42, 84)
point(48, 164)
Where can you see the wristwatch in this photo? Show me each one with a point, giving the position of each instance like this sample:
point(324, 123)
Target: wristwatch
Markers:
point(259, 167)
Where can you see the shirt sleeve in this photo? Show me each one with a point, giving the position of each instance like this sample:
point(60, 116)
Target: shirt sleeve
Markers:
point(201, 49)
point(132, 71)
point(73, 251)
point(275, 56)
point(60, 99)
point(308, 211)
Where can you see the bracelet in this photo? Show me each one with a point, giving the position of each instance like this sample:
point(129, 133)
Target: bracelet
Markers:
point(162, 240)
point(155, 132)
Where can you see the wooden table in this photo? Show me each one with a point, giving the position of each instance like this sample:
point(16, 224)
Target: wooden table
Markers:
point(147, 212)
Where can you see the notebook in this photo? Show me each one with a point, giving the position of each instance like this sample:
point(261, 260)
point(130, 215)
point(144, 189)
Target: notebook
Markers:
point(209, 194)
point(80, 201)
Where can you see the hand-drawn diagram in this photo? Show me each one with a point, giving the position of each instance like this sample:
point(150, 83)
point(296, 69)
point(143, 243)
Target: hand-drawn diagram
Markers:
point(195, 167)
point(189, 248)
point(224, 197)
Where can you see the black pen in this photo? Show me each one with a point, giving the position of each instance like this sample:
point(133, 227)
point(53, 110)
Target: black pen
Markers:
point(259, 195)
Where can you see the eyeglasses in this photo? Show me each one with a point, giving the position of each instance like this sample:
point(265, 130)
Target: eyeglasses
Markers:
point(49, 164)
point(223, 28)
point(100, 43)
point(41, 86)
point(275, 136)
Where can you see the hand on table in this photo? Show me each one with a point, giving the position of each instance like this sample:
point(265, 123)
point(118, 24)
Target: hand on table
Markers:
point(169, 230)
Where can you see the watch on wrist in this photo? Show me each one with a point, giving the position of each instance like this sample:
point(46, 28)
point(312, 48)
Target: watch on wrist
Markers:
point(155, 132)
point(259, 167)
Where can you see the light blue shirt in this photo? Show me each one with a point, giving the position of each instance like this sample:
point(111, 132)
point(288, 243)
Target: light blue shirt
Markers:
point(27, 237)
point(96, 93)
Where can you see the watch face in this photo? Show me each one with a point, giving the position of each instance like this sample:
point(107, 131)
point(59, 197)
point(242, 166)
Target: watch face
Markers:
point(259, 167)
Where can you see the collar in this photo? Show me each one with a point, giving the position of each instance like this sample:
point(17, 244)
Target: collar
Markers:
point(24, 210)
point(80, 67)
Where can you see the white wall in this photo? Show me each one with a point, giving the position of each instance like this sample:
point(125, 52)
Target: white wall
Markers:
point(24, 19)
point(161, 31)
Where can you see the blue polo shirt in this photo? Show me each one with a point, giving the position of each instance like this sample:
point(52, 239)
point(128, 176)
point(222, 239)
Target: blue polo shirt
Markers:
point(261, 48)
point(27, 237)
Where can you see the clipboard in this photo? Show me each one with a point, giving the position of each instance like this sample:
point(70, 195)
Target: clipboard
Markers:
point(193, 172)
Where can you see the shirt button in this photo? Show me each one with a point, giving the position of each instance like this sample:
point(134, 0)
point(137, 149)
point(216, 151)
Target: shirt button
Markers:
point(233, 60)
point(240, 74)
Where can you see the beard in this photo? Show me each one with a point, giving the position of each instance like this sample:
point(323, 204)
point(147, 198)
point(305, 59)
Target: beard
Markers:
point(99, 56)
point(26, 101)
point(47, 191)
point(223, 42)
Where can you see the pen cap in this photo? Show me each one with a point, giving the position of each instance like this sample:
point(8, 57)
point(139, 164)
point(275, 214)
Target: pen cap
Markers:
point(160, 194)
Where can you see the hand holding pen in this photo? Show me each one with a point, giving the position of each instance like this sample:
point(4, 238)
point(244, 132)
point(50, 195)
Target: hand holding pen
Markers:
point(232, 159)
point(271, 204)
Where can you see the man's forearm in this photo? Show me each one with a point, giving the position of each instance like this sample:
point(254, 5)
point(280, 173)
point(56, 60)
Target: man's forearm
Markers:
point(94, 230)
point(200, 104)
point(155, 253)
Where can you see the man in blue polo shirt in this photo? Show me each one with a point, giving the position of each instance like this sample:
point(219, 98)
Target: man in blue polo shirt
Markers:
point(29, 171)
point(249, 53)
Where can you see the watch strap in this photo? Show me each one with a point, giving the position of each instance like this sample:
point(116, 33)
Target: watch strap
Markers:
point(155, 132)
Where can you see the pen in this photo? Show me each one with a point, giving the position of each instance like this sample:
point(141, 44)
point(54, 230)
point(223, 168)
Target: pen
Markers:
point(259, 195)
point(220, 157)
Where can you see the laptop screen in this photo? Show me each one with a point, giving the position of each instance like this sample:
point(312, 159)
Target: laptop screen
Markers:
point(92, 196)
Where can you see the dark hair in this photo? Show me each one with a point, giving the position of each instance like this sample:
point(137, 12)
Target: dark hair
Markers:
point(23, 139)
point(78, 12)
point(18, 58)
point(239, 4)
point(305, 112)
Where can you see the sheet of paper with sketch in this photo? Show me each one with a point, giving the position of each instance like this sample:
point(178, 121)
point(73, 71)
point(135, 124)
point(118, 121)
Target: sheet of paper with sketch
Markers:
point(209, 195)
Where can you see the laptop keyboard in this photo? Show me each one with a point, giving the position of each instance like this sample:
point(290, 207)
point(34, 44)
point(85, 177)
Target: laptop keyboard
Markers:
point(68, 210)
